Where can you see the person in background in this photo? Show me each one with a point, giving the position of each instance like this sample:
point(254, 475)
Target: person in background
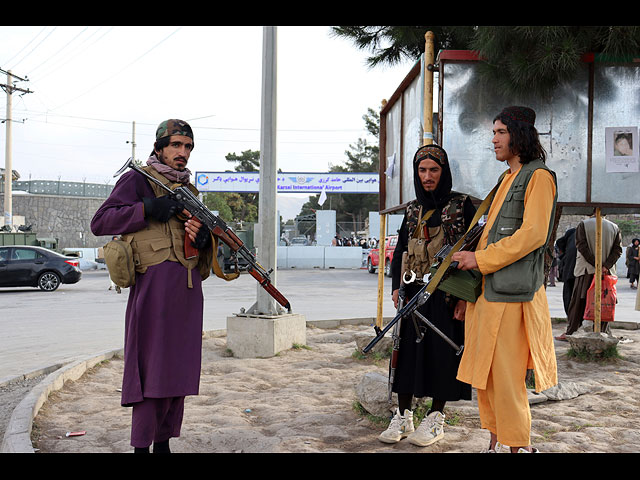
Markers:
point(632, 262)
point(566, 246)
point(585, 267)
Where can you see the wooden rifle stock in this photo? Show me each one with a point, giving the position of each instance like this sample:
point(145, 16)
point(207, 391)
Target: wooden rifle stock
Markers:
point(255, 270)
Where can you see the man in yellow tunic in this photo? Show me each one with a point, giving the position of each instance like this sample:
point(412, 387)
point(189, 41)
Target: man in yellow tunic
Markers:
point(508, 329)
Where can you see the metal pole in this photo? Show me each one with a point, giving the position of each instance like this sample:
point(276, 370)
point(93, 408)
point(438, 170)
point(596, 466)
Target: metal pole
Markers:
point(381, 258)
point(133, 142)
point(598, 272)
point(267, 208)
point(429, 58)
point(8, 168)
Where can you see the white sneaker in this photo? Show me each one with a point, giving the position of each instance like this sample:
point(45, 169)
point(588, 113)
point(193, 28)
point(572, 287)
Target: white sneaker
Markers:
point(400, 427)
point(524, 450)
point(499, 448)
point(429, 431)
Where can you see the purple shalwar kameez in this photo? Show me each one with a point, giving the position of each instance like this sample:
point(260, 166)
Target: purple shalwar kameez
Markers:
point(163, 321)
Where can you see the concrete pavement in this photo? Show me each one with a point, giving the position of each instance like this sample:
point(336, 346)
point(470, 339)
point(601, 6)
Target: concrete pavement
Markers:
point(38, 329)
point(324, 297)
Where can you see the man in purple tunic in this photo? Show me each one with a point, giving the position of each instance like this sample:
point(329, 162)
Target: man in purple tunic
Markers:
point(163, 322)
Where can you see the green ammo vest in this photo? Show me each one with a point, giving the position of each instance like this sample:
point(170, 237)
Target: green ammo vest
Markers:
point(519, 281)
point(162, 241)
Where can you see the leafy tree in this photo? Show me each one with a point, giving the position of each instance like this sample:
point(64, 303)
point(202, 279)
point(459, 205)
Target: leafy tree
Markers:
point(247, 161)
point(361, 157)
point(233, 206)
point(518, 60)
point(216, 201)
point(242, 209)
point(540, 58)
point(391, 45)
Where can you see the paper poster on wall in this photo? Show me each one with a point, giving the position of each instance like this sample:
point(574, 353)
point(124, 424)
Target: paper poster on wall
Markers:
point(621, 145)
point(391, 161)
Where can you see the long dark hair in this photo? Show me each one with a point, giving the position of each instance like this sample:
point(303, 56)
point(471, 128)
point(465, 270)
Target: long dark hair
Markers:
point(524, 140)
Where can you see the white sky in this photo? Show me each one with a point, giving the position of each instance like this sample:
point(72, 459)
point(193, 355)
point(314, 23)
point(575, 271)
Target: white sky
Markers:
point(90, 83)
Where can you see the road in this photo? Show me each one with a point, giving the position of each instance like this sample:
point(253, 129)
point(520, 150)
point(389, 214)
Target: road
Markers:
point(40, 329)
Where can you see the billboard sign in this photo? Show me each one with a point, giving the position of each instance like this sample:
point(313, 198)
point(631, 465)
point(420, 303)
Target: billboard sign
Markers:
point(331, 182)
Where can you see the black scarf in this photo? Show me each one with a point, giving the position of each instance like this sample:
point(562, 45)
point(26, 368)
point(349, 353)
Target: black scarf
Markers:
point(442, 194)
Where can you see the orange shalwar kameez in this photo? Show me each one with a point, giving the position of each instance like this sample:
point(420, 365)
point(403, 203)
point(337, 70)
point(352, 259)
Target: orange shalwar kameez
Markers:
point(503, 340)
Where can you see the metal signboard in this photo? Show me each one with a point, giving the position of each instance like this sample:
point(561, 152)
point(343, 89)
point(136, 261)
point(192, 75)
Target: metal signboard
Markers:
point(579, 128)
point(331, 182)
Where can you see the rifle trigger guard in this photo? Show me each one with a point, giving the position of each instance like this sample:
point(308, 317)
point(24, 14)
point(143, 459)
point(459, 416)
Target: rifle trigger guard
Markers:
point(411, 279)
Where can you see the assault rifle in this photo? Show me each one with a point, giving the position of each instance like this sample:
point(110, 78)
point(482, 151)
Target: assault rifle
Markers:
point(469, 243)
point(218, 228)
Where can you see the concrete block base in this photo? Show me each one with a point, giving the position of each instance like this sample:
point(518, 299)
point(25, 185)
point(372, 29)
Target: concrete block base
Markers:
point(255, 336)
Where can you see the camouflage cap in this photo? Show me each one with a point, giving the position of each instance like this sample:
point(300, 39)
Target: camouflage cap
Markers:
point(173, 127)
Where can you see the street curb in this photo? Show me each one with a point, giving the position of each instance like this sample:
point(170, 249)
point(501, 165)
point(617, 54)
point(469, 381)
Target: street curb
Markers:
point(32, 374)
point(17, 437)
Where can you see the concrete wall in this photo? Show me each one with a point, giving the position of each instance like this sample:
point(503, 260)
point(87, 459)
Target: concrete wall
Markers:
point(65, 218)
point(319, 257)
point(325, 226)
point(394, 222)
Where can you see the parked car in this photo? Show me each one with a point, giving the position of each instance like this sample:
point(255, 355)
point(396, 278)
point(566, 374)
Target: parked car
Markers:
point(373, 258)
point(27, 266)
point(301, 240)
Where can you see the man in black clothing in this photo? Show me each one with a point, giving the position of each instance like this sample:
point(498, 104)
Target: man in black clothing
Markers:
point(428, 368)
point(566, 263)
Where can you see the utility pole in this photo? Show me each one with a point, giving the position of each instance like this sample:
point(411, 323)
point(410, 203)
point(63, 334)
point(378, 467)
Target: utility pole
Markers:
point(9, 88)
point(133, 141)
point(267, 248)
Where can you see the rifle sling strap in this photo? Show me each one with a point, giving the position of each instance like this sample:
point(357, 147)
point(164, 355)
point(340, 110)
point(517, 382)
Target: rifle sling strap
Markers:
point(217, 269)
point(444, 266)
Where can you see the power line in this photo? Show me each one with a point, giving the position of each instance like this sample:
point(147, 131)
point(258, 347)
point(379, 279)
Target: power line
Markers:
point(201, 139)
point(121, 70)
point(230, 129)
point(23, 48)
point(60, 50)
point(57, 67)
point(34, 48)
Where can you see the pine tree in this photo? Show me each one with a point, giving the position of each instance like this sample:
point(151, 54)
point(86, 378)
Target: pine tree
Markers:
point(517, 60)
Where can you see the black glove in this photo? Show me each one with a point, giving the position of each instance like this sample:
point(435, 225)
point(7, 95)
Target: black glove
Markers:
point(161, 208)
point(203, 238)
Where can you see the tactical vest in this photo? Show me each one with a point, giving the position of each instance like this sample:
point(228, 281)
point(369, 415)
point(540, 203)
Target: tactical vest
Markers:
point(424, 241)
point(519, 281)
point(162, 241)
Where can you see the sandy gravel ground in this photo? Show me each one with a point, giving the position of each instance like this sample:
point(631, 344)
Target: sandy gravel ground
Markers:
point(302, 400)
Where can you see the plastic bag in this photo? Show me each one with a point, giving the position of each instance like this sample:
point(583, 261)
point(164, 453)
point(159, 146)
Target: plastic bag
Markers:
point(608, 301)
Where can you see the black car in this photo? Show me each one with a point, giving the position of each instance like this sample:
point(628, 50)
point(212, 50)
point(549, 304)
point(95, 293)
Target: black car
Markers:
point(26, 266)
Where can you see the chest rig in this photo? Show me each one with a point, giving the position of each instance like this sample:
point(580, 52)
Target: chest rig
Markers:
point(425, 241)
point(162, 241)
